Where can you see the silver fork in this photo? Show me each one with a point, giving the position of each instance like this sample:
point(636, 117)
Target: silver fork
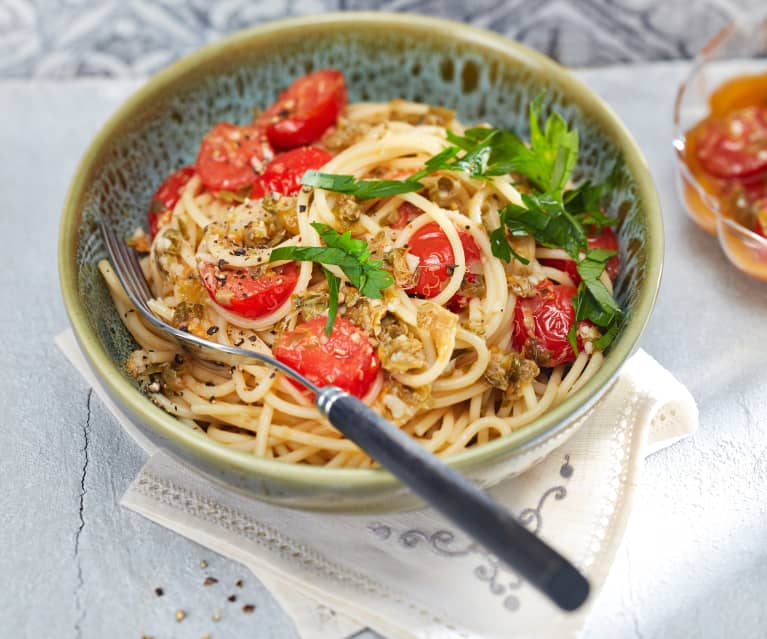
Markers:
point(446, 490)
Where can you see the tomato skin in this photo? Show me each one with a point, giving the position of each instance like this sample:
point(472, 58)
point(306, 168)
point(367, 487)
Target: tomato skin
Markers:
point(166, 196)
point(550, 314)
point(283, 174)
point(735, 146)
point(225, 159)
point(345, 358)
point(247, 296)
point(760, 225)
point(473, 257)
point(305, 110)
point(406, 213)
point(431, 246)
point(605, 240)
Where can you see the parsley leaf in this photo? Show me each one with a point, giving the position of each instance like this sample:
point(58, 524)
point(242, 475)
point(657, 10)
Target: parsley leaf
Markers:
point(435, 163)
point(499, 244)
point(546, 219)
point(555, 149)
point(361, 189)
point(591, 266)
point(350, 255)
point(585, 204)
point(593, 301)
point(501, 247)
point(487, 153)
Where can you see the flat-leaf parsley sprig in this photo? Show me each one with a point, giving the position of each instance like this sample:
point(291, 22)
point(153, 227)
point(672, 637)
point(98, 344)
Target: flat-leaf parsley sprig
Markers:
point(556, 218)
point(352, 256)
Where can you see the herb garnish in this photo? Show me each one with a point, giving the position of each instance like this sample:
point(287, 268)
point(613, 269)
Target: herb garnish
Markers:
point(361, 189)
point(556, 219)
point(593, 301)
point(547, 163)
point(350, 255)
point(546, 219)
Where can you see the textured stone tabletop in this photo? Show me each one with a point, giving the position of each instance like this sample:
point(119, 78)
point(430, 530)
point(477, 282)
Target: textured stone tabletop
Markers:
point(75, 564)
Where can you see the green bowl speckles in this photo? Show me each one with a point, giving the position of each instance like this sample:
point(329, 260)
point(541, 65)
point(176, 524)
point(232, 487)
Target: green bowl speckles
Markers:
point(482, 75)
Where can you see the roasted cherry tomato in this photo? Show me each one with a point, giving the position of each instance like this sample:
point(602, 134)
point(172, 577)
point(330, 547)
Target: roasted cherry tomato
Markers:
point(406, 213)
point(605, 240)
point(436, 259)
point(166, 196)
point(542, 322)
point(473, 256)
point(345, 359)
point(229, 156)
point(283, 174)
point(305, 110)
point(736, 145)
point(746, 202)
point(760, 226)
point(247, 294)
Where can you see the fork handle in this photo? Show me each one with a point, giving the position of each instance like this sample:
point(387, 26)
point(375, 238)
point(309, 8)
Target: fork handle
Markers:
point(456, 498)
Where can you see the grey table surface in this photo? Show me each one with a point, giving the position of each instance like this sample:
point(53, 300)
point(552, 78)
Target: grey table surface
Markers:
point(75, 564)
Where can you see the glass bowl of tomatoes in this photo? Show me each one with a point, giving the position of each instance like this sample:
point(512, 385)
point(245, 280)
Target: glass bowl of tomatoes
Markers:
point(720, 139)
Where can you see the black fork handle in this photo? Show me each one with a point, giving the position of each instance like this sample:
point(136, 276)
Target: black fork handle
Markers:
point(456, 498)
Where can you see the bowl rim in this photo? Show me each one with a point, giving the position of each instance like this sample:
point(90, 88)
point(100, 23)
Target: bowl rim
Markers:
point(524, 440)
point(678, 140)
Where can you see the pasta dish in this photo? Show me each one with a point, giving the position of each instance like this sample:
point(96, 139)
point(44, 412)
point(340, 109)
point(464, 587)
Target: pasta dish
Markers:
point(453, 278)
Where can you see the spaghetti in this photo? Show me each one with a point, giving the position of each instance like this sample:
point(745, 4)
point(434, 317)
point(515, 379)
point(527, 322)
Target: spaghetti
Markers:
point(451, 350)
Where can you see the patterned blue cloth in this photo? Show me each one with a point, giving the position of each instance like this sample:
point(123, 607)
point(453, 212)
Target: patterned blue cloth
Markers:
point(124, 38)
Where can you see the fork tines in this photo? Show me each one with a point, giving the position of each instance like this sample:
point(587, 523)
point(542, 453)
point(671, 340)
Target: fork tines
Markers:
point(126, 266)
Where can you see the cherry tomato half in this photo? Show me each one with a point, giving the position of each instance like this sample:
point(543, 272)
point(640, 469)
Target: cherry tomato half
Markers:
point(736, 145)
point(305, 110)
point(436, 259)
point(345, 359)
point(248, 295)
point(283, 174)
point(542, 322)
point(605, 240)
point(166, 197)
point(227, 153)
point(406, 213)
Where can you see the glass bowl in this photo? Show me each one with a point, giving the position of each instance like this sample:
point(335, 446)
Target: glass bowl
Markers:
point(739, 49)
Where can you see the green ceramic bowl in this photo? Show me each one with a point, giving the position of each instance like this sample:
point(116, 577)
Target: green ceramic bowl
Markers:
point(485, 77)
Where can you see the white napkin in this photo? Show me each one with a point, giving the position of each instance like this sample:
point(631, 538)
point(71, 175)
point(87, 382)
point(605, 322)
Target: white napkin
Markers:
point(413, 575)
